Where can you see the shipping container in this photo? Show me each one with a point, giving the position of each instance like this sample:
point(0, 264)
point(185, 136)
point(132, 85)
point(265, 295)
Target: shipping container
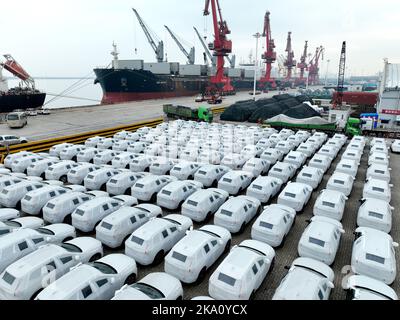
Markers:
point(158, 67)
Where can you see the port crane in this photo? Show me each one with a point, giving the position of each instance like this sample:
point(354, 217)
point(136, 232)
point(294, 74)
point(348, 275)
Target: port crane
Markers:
point(290, 63)
point(302, 65)
point(189, 55)
point(206, 51)
point(313, 74)
point(221, 47)
point(340, 85)
point(15, 68)
point(269, 56)
point(158, 48)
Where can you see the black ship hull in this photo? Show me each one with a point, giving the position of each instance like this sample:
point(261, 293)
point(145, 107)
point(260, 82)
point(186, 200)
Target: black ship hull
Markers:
point(123, 85)
point(12, 101)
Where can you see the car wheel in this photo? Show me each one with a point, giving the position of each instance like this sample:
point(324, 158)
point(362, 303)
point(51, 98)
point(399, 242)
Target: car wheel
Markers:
point(158, 258)
point(241, 230)
point(24, 141)
point(180, 298)
point(180, 204)
point(271, 267)
point(74, 158)
point(67, 239)
point(227, 246)
point(130, 279)
point(252, 296)
point(215, 184)
point(95, 257)
point(33, 297)
point(103, 187)
point(190, 177)
point(128, 192)
point(208, 216)
point(63, 179)
point(202, 275)
point(153, 197)
point(282, 242)
point(68, 219)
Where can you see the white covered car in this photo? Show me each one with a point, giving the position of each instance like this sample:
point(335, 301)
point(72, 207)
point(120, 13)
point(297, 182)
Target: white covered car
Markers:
point(348, 166)
point(283, 171)
point(272, 155)
point(321, 239)
point(341, 182)
point(264, 188)
point(379, 158)
point(378, 189)
point(296, 158)
point(59, 170)
point(10, 196)
point(193, 255)
point(146, 189)
point(97, 180)
point(237, 212)
point(330, 203)
point(242, 272)
point(295, 195)
point(210, 174)
point(184, 170)
point(235, 181)
point(311, 176)
point(257, 166)
point(395, 146)
point(233, 160)
point(273, 224)
point(149, 243)
point(78, 174)
point(34, 201)
point(320, 161)
point(122, 182)
point(9, 226)
point(375, 214)
point(373, 255)
point(175, 193)
point(366, 288)
point(379, 171)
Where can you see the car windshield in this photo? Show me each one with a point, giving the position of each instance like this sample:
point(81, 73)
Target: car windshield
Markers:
point(14, 224)
point(166, 192)
point(148, 290)
point(227, 180)
point(277, 170)
point(8, 278)
point(46, 231)
point(139, 185)
point(71, 247)
point(106, 225)
point(226, 279)
point(79, 212)
point(347, 166)
point(375, 214)
point(104, 268)
point(202, 172)
point(266, 225)
point(316, 241)
point(378, 189)
point(179, 256)
point(375, 258)
point(255, 186)
point(290, 195)
point(192, 203)
point(226, 212)
point(308, 175)
point(328, 204)
point(338, 181)
point(137, 240)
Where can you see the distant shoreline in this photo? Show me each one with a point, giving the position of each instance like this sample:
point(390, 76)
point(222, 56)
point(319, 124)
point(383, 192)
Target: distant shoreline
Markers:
point(52, 78)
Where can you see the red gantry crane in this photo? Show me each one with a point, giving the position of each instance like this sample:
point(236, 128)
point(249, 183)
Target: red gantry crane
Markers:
point(302, 65)
point(269, 56)
point(221, 46)
point(313, 73)
point(290, 63)
point(15, 68)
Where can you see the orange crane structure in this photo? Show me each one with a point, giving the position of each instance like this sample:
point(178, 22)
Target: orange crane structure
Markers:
point(219, 83)
point(269, 56)
point(302, 65)
point(313, 68)
point(290, 63)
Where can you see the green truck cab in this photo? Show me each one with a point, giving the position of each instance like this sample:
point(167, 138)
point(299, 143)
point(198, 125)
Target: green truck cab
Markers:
point(353, 127)
point(202, 113)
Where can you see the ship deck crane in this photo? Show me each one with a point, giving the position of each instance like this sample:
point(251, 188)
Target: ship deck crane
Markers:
point(269, 56)
point(158, 48)
point(340, 85)
point(189, 55)
point(290, 63)
point(302, 65)
point(206, 51)
point(313, 74)
point(15, 68)
point(221, 47)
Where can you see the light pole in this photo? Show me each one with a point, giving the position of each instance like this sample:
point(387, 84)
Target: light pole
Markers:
point(257, 36)
point(326, 73)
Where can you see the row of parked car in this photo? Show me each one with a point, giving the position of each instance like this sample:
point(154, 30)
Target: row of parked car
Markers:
point(154, 234)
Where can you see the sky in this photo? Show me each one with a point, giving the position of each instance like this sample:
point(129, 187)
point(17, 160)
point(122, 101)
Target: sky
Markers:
point(71, 37)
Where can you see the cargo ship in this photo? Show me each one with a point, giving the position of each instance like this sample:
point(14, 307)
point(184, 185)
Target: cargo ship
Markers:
point(22, 97)
point(133, 80)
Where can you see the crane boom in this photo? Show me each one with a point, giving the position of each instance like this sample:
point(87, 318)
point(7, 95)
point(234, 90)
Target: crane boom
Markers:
point(269, 55)
point(158, 49)
point(189, 55)
point(342, 68)
point(208, 53)
point(313, 77)
point(290, 62)
point(16, 69)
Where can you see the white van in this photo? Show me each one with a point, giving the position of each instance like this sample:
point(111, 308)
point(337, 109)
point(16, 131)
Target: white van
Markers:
point(17, 119)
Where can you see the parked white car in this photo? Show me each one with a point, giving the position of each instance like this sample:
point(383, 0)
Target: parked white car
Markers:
point(352, 154)
point(210, 174)
point(175, 193)
point(307, 148)
point(330, 203)
point(202, 204)
point(105, 157)
point(38, 168)
point(57, 232)
point(184, 170)
point(137, 147)
point(161, 166)
point(366, 288)
point(210, 156)
point(10, 226)
point(9, 180)
point(106, 143)
point(59, 170)
point(235, 181)
point(379, 171)
point(233, 160)
point(8, 214)
point(295, 195)
point(78, 174)
point(97, 180)
point(98, 280)
point(34, 201)
point(133, 136)
point(264, 188)
point(378, 189)
point(93, 141)
point(356, 145)
point(295, 140)
point(329, 151)
point(115, 228)
point(395, 146)
point(373, 255)
point(10, 196)
point(307, 279)
point(379, 149)
point(321, 239)
point(251, 151)
point(90, 213)
point(122, 182)
point(149, 243)
point(296, 158)
point(378, 141)
point(285, 146)
point(257, 166)
point(21, 164)
point(375, 214)
point(341, 182)
point(26, 277)
point(141, 163)
point(242, 272)
point(273, 224)
point(87, 155)
point(56, 149)
point(311, 176)
point(190, 153)
point(237, 212)
point(342, 138)
point(348, 166)
point(193, 255)
point(283, 171)
point(321, 162)
point(146, 189)
point(58, 209)
point(71, 152)
point(154, 286)
point(121, 145)
point(272, 155)
point(122, 160)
